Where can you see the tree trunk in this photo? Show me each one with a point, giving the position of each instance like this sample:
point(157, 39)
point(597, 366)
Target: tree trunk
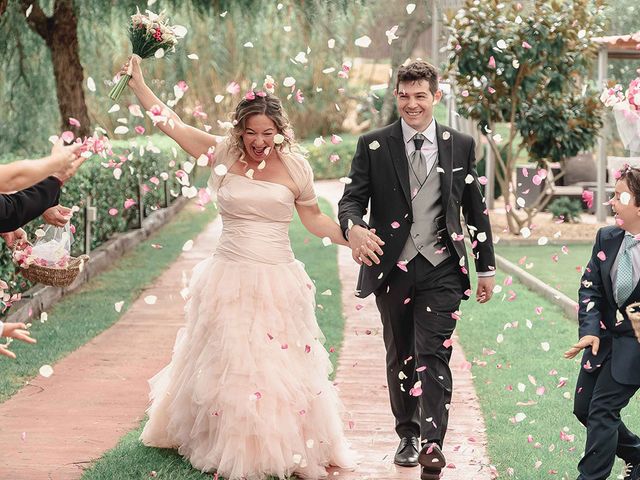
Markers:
point(68, 73)
point(60, 33)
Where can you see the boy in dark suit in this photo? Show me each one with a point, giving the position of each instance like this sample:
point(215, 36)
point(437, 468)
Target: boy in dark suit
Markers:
point(610, 367)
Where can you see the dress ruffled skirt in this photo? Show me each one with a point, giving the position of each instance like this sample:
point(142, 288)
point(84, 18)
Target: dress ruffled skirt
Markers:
point(246, 393)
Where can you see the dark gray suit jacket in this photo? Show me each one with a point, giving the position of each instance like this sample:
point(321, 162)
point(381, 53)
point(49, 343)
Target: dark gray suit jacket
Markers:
point(382, 175)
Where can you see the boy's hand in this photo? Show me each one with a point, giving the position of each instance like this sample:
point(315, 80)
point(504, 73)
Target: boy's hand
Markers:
point(586, 341)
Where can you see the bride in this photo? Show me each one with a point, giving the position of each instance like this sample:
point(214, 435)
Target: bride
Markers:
point(246, 393)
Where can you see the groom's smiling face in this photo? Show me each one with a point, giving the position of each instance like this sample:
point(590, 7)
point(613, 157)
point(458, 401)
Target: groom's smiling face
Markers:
point(415, 103)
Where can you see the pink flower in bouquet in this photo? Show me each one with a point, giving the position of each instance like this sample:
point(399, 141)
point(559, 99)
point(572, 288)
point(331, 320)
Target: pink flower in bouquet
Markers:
point(299, 97)
point(587, 198)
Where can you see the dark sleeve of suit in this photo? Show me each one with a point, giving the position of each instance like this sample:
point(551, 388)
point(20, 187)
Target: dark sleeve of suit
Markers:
point(18, 209)
point(353, 204)
point(475, 214)
point(591, 294)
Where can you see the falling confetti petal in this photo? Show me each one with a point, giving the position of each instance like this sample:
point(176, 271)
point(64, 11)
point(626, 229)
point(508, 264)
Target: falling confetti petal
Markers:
point(46, 371)
point(363, 42)
point(150, 299)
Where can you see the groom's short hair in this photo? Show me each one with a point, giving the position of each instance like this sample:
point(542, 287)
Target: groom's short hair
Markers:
point(416, 71)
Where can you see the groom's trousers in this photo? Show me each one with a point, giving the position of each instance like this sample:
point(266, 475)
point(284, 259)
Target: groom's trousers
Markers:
point(418, 308)
point(598, 402)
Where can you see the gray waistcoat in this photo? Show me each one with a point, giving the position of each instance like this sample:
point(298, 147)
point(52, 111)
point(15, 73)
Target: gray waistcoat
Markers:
point(427, 218)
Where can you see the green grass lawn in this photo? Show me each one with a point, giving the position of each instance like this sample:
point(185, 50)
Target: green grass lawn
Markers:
point(551, 264)
point(132, 460)
point(515, 351)
point(78, 318)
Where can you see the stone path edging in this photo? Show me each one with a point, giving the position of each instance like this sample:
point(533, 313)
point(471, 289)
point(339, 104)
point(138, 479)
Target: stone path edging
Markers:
point(568, 306)
point(40, 298)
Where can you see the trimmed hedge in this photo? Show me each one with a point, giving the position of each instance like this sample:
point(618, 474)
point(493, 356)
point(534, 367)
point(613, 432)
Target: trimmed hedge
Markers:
point(108, 193)
point(319, 157)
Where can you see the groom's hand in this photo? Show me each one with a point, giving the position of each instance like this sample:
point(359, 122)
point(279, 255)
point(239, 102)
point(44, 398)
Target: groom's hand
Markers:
point(365, 245)
point(484, 292)
point(586, 341)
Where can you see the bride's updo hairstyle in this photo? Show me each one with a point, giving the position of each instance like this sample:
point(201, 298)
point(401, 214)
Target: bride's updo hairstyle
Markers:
point(260, 103)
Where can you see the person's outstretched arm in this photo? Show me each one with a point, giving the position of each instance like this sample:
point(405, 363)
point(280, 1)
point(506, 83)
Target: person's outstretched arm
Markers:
point(192, 140)
point(26, 173)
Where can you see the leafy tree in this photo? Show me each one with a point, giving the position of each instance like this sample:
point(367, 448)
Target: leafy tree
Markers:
point(526, 66)
point(218, 31)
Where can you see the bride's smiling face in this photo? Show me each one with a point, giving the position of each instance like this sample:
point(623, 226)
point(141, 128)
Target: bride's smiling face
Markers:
point(258, 137)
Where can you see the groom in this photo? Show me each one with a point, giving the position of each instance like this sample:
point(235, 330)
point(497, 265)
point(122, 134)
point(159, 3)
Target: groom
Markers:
point(417, 175)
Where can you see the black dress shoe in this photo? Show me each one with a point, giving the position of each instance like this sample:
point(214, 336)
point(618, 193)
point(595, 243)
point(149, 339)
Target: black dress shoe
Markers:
point(407, 453)
point(432, 461)
point(428, 475)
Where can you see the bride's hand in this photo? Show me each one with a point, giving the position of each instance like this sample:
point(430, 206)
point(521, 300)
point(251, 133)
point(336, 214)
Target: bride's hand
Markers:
point(132, 67)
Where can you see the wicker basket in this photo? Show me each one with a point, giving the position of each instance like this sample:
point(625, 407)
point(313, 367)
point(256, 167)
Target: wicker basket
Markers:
point(55, 276)
point(633, 311)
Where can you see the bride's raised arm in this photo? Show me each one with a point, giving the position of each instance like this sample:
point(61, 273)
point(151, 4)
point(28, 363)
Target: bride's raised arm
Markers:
point(192, 140)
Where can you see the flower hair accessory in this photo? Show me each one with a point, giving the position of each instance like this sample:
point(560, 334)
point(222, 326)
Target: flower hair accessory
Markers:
point(626, 168)
point(251, 94)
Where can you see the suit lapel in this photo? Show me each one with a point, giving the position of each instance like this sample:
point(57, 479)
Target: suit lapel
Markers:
point(610, 246)
point(398, 154)
point(445, 160)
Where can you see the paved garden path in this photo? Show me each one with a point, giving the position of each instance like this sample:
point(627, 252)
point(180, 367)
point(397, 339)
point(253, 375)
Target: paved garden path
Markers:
point(54, 428)
point(362, 381)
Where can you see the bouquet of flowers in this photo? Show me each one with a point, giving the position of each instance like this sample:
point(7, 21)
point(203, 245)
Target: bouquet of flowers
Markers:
point(626, 110)
point(151, 36)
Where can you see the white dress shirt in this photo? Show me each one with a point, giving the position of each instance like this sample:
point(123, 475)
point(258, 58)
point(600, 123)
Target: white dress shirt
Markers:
point(635, 261)
point(429, 146)
point(430, 152)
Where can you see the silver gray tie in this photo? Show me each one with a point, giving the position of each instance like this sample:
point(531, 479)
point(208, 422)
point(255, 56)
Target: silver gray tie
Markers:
point(418, 162)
